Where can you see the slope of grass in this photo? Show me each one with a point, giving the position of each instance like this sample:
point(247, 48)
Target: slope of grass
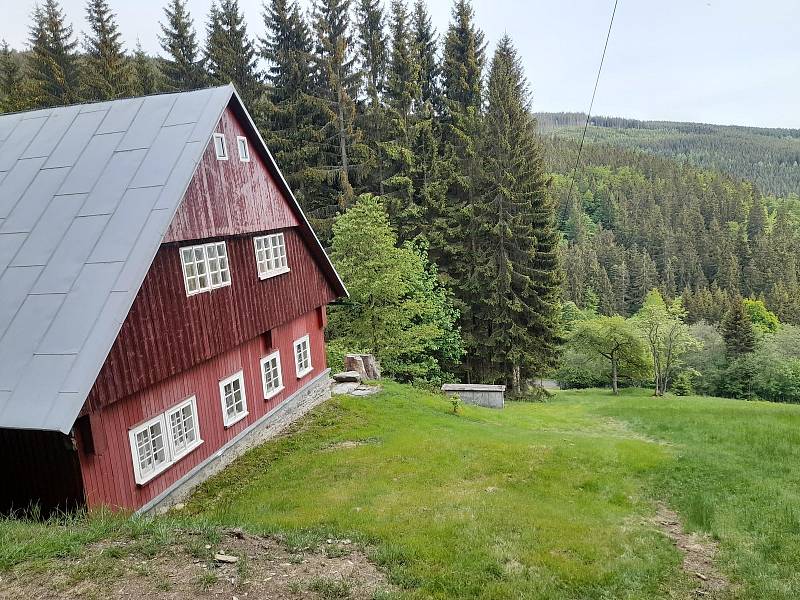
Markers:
point(548, 500)
point(735, 474)
point(535, 501)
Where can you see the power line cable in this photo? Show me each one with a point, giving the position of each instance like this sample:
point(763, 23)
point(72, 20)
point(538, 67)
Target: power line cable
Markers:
point(591, 104)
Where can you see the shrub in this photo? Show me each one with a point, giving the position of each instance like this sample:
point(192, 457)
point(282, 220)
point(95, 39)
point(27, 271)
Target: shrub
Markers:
point(682, 385)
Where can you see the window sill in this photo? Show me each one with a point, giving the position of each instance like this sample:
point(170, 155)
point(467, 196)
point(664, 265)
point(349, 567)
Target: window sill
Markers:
point(149, 477)
point(188, 451)
point(275, 273)
point(301, 374)
point(236, 419)
point(274, 393)
point(145, 480)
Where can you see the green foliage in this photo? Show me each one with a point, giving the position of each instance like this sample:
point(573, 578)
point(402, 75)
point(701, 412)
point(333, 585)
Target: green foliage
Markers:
point(580, 370)
point(53, 62)
point(107, 73)
point(763, 319)
point(767, 157)
point(683, 383)
point(12, 83)
point(397, 309)
point(666, 335)
point(230, 54)
point(738, 331)
point(183, 67)
point(616, 341)
point(148, 78)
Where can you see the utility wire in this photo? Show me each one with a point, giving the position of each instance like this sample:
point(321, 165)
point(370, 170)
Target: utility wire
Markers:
point(591, 104)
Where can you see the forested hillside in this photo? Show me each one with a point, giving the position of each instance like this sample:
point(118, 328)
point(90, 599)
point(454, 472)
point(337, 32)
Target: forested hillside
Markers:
point(636, 221)
point(768, 157)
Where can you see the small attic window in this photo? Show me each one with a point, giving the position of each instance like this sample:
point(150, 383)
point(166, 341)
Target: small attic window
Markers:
point(220, 148)
point(244, 150)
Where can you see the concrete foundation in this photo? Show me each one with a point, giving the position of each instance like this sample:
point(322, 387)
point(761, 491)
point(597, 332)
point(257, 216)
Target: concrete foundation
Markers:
point(315, 392)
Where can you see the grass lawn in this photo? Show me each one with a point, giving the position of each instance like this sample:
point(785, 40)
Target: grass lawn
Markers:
point(545, 501)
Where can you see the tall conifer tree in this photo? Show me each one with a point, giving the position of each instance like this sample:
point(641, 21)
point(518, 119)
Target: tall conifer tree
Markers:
point(452, 233)
point(147, 76)
point(53, 63)
point(12, 93)
point(289, 116)
point(373, 56)
point(426, 47)
point(516, 280)
point(107, 73)
point(230, 54)
point(183, 67)
point(337, 86)
point(402, 93)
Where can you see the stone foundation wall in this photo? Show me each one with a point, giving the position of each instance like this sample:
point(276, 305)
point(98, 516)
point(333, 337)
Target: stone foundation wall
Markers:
point(314, 393)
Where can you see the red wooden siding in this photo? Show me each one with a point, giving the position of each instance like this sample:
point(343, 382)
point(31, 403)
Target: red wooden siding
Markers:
point(167, 332)
point(230, 197)
point(108, 472)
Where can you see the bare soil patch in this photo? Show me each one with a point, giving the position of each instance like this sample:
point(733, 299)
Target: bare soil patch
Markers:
point(698, 555)
point(240, 566)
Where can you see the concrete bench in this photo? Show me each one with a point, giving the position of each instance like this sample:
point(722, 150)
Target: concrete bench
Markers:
point(490, 396)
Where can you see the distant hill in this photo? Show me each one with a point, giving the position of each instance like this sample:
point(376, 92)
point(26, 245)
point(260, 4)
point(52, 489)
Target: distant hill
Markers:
point(768, 157)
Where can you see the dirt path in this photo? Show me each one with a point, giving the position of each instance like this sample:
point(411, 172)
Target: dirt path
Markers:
point(240, 567)
point(698, 555)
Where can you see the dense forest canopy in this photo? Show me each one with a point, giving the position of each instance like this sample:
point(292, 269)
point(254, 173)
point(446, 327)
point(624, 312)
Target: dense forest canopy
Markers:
point(770, 158)
point(493, 244)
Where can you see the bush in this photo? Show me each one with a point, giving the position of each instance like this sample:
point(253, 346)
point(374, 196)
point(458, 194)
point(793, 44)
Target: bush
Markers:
point(579, 371)
point(683, 383)
point(335, 351)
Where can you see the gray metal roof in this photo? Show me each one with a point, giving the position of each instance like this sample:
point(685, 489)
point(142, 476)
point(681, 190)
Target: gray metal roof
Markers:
point(86, 195)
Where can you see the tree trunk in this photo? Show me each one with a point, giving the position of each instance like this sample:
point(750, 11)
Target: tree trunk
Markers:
point(515, 377)
point(614, 386)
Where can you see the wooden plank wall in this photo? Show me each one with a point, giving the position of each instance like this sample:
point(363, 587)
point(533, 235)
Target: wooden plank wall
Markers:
point(167, 332)
point(108, 472)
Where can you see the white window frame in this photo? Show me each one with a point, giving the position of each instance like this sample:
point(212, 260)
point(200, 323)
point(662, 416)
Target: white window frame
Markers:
point(178, 454)
point(140, 477)
point(276, 356)
point(302, 372)
point(210, 265)
point(241, 144)
point(265, 246)
point(228, 421)
point(222, 146)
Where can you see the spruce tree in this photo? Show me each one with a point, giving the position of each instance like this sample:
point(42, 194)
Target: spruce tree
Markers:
point(337, 85)
point(53, 63)
point(147, 76)
point(516, 281)
point(183, 67)
point(107, 73)
point(402, 92)
point(452, 233)
point(12, 94)
point(373, 55)
point(737, 330)
point(230, 55)
point(426, 47)
point(288, 120)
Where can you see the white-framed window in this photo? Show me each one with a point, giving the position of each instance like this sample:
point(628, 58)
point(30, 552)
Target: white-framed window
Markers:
point(205, 267)
point(160, 442)
point(150, 449)
point(244, 150)
point(271, 257)
point(184, 431)
point(271, 376)
point(220, 146)
point(234, 402)
point(302, 356)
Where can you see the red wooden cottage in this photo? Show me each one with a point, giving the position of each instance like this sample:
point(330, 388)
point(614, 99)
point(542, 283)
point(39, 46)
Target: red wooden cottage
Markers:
point(162, 299)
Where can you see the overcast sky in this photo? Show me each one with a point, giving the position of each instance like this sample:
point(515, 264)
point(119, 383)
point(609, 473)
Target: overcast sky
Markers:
point(715, 61)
